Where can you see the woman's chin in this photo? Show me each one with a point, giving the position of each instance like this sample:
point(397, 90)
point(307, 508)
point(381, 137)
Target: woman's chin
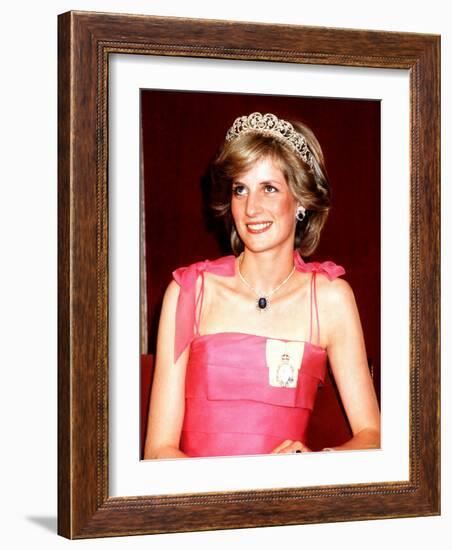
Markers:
point(257, 243)
point(256, 247)
point(254, 244)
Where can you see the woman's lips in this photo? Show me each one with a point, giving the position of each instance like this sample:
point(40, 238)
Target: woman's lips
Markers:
point(258, 227)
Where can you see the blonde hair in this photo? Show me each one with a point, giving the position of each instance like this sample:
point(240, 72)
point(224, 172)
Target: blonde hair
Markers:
point(309, 185)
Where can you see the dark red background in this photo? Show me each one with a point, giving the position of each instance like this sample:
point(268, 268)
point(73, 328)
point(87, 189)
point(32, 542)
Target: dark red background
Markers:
point(180, 134)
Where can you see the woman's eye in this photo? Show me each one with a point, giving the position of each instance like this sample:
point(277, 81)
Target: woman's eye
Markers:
point(270, 189)
point(238, 190)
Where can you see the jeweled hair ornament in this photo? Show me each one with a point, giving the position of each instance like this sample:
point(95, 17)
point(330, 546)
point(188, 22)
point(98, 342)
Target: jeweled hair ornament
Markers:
point(278, 128)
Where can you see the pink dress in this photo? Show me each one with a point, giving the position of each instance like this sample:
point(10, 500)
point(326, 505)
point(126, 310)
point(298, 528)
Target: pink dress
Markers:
point(231, 408)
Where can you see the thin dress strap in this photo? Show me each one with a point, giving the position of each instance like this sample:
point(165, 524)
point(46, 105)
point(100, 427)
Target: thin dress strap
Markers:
point(198, 305)
point(313, 301)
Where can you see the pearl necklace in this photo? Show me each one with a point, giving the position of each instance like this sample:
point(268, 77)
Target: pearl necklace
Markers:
point(262, 302)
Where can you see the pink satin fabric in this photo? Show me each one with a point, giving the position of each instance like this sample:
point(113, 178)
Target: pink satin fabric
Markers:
point(230, 407)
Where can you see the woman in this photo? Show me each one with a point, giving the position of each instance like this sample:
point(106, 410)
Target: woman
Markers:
point(244, 340)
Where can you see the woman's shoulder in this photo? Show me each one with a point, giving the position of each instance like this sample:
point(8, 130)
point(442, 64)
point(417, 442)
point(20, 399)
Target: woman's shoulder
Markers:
point(336, 288)
point(335, 296)
point(184, 291)
point(329, 282)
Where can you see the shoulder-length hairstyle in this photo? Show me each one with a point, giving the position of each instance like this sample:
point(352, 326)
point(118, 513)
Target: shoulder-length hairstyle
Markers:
point(309, 185)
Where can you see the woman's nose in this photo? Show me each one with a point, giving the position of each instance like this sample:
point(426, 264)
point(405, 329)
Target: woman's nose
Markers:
point(253, 205)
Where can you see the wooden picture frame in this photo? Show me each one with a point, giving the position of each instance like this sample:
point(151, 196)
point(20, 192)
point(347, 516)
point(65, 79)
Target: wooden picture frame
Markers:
point(86, 40)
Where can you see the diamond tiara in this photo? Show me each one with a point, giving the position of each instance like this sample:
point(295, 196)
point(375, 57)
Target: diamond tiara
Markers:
point(271, 125)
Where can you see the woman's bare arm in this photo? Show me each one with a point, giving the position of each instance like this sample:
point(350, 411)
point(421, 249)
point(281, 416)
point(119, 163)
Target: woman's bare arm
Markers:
point(348, 359)
point(167, 403)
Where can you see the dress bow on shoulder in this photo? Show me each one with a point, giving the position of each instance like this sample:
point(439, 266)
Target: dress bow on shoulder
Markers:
point(328, 268)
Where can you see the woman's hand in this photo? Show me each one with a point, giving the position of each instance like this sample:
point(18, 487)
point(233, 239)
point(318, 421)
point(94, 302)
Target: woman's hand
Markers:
point(289, 446)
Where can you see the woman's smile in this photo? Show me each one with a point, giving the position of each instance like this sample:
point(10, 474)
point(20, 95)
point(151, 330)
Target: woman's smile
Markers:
point(258, 227)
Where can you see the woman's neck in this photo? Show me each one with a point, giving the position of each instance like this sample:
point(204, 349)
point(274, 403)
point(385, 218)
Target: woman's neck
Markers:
point(266, 270)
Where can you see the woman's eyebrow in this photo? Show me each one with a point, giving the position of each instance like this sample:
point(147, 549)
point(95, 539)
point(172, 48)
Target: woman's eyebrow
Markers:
point(263, 182)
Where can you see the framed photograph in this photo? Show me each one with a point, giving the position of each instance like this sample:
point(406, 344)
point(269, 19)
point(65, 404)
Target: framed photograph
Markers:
point(143, 103)
point(177, 229)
